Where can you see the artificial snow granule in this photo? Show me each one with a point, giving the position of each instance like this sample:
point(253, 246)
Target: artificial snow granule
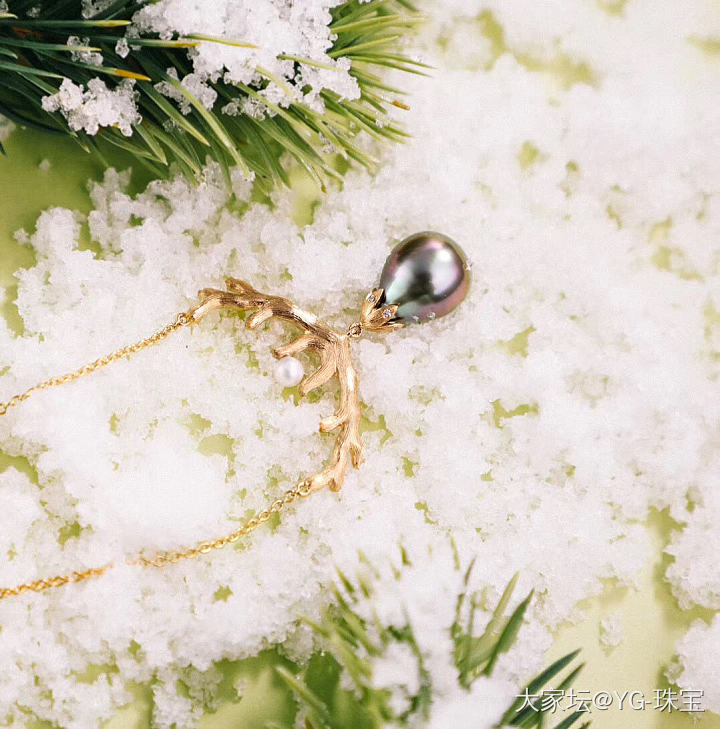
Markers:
point(91, 8)
point(255, 109)
point(90, 57)
point(193, 84)
point(275, 29)
point(96, 106)
point(482, 706)
point(397, 670)
point(693, 572)
point(698, 663)
point(6, 128)
point(122, 48)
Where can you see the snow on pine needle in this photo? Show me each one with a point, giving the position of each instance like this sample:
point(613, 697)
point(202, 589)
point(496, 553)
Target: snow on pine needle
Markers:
point(248, 84)
point(379, 666)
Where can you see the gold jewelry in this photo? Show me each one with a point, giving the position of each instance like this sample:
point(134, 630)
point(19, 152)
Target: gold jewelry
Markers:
point(425, 276)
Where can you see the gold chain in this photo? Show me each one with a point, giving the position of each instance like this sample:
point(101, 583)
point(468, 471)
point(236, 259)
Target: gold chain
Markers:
point(180, 321)
point(160, 559)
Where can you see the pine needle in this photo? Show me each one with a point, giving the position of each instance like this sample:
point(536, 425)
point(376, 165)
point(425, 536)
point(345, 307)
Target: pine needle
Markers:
point(37, 54)
point(349, 695)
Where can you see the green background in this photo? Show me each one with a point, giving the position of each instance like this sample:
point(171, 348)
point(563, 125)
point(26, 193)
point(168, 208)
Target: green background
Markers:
point(651, 619)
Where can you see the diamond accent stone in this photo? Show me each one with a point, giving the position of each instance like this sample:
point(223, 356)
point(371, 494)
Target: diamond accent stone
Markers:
point(371, 298)
point(387, 313)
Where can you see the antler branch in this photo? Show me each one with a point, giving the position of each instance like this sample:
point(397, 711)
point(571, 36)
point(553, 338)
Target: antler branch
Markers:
point(334, 351)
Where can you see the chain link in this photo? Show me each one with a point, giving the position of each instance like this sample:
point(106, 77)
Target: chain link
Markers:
point(160, 559)
point(180, 321)
point(58, 581)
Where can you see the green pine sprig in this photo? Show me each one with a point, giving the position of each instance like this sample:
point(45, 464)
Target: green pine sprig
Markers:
point(335, 690)
point(352, 643)
point(527, 716)
point(35, 57)
point(477, 655)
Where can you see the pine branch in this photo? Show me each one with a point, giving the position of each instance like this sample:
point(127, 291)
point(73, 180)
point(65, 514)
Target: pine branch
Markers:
point(353, 644)
point(477, 655)
point(336, 690)
point(36, 55)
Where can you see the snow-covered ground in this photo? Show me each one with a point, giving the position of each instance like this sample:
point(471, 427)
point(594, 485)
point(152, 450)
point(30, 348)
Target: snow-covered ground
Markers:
point(573, 152)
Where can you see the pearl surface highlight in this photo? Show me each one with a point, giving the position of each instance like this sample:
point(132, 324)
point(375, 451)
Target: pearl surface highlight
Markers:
point(426, 276)
point(289, 372)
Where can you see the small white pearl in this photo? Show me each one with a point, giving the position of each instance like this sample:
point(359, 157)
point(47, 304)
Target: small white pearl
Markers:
point(289, 371)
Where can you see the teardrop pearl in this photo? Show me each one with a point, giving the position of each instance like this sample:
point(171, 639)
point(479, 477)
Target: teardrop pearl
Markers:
point(426, 275)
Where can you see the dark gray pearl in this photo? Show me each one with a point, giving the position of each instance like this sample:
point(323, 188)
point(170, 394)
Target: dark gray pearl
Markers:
point(426, 275)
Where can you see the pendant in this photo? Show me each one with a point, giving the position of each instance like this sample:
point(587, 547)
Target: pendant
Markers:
point(425, 276)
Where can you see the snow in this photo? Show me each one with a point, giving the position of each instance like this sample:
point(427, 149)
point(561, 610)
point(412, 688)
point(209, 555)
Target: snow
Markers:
point(697, 667)
point(275, 28)
point(96, 106)
point(286, 45)
point(574, 391)
point(90, 57)
point(6, 128)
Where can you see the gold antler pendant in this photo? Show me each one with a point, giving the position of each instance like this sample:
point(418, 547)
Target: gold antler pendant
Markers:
point(425, 276)
point(334, 351)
